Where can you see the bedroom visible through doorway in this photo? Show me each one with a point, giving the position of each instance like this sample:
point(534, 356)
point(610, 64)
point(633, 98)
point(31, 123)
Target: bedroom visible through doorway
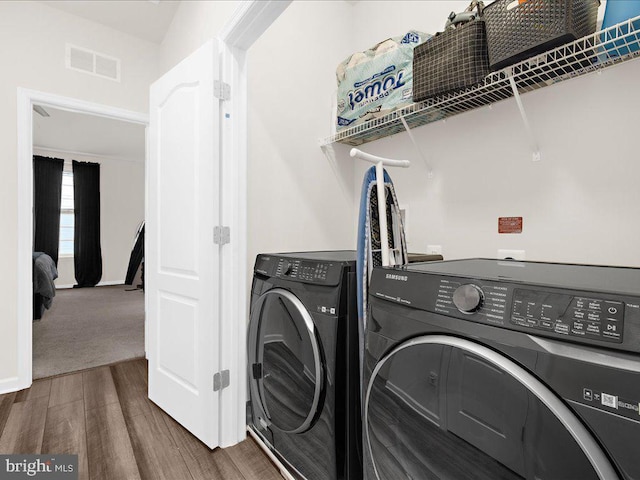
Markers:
point(99, 216)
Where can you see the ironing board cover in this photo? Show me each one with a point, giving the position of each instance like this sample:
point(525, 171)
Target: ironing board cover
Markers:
point(369, 252)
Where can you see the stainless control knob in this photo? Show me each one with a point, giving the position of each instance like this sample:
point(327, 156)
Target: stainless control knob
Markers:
point(468, 298)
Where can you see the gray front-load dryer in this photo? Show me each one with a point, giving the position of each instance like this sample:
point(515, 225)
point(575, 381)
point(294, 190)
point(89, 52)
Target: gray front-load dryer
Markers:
point(304, 384)
point(484, 370)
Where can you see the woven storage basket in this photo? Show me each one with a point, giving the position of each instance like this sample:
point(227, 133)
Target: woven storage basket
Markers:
point(519, 29)
point(452, 60)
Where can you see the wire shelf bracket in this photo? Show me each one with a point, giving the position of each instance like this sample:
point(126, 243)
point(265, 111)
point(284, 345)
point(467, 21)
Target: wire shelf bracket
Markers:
point(419, 150)
point(525, 120)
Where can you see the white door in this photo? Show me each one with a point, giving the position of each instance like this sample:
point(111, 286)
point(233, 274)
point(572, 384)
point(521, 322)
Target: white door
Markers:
point(181, 260)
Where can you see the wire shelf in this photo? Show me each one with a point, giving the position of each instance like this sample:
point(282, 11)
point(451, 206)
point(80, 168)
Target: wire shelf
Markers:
point(602, 49)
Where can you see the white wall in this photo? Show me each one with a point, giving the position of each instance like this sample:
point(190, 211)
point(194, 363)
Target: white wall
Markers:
point(121, 211)
point(194, 23)
point(377, 20)
point(33, 36)
point(581, 203)
point(299, 198)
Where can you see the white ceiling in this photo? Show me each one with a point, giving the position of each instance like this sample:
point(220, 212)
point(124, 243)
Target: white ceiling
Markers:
point(89, 134)
point(144, 19)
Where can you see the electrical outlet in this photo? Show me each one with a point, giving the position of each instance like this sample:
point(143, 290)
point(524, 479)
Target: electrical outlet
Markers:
point(434, 249)
point(511, 254)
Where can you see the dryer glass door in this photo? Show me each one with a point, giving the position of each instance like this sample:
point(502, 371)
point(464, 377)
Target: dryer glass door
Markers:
point(287, 373)
point(441, 407)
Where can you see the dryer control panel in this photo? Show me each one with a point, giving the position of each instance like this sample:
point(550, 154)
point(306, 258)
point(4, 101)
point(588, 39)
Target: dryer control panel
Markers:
point(585, 304)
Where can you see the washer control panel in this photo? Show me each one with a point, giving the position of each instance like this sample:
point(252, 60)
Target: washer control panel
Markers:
point(576, 316)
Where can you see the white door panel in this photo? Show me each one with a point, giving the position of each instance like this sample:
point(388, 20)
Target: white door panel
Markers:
point(181, 260)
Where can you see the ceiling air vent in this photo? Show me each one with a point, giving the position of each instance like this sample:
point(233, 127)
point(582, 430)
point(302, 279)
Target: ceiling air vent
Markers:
point(93, 63)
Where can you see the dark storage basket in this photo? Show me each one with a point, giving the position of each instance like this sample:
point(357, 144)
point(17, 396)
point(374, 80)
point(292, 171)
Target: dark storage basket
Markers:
point(518, 30)
point(452, 60)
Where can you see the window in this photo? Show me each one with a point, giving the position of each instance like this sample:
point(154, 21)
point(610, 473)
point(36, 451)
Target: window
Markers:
point(66, 215)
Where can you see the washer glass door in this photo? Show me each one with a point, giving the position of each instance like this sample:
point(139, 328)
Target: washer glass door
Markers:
point(441, 407)
point(286, 366)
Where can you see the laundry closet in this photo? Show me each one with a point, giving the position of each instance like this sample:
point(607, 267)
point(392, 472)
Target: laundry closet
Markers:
point(527, 182)
point(516, 356)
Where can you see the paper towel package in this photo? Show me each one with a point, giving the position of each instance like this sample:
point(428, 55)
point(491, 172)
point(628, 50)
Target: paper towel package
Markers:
point(377, 81)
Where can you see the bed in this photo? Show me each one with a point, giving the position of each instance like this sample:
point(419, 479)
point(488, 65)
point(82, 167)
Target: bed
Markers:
point(44, 273)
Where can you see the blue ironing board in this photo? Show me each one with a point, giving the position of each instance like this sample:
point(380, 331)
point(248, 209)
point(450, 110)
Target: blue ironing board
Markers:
point(368, 251)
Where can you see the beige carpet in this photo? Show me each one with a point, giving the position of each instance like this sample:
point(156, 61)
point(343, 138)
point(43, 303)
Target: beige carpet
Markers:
point(88, 327)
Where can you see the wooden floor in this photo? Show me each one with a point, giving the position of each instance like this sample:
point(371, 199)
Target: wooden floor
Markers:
point(104, 416)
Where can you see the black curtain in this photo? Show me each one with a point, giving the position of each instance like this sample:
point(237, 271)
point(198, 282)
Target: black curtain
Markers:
point(47, 192)
point(86, 241)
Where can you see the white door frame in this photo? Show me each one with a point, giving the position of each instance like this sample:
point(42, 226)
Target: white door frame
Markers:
point(247, 24)
point(26, 100)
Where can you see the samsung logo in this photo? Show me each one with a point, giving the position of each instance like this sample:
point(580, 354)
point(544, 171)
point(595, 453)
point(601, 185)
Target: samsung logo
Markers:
point(393, 276)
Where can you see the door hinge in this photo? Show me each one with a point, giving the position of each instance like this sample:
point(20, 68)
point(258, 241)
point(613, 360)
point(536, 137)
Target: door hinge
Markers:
point(221, 380)
point(221, 90)
point(221, 235)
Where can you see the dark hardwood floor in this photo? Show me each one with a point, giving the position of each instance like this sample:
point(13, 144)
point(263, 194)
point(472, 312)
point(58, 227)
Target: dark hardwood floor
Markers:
point(104, 416)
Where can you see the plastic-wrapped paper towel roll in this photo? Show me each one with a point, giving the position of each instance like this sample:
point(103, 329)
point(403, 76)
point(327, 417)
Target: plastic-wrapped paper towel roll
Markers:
point(385, 47)
point(377, 81)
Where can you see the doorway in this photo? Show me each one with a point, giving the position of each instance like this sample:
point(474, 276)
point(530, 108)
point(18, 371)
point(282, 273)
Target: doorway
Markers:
point(247, 24)
point(27, 99)
point(88, 327)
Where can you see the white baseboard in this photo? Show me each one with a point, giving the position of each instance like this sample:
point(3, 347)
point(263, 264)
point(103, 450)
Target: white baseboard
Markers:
point(283, 469)
point(101, 284)
point(11, 384)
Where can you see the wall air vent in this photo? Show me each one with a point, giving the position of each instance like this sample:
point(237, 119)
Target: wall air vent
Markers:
point(93, 63)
